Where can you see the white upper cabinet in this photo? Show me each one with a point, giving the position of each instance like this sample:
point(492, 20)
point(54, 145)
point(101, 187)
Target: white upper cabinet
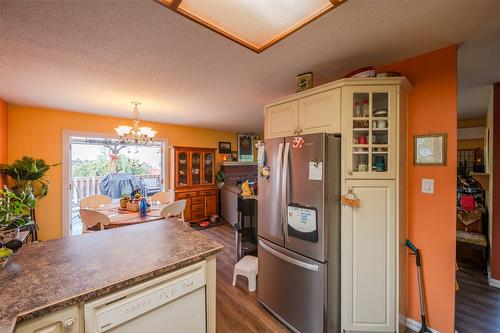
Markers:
point(311, 114)
point(282, 119)
point(320, 113)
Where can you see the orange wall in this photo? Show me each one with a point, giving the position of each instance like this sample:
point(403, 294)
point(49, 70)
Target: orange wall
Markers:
point(432, 108)
point(38, 132)
point(3, 135)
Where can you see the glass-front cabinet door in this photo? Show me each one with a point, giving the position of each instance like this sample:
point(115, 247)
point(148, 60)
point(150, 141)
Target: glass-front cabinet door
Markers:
point(195, 168)
point(182, 176)
point(208, 168)
point(371, 114)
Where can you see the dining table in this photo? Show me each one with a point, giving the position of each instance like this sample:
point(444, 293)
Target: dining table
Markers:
point(120, 218)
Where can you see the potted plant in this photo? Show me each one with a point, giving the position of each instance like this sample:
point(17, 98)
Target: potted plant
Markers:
point(15, 210)
point(14, 213)
point(29, 175)
point(220, 178)
point(125, 199)
point(30, 184)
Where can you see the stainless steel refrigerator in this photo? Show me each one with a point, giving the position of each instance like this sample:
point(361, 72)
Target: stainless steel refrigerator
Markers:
point(299, 232)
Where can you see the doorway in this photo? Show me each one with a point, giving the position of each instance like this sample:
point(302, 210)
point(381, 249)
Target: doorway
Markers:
point(477, 302)
point(102, 165)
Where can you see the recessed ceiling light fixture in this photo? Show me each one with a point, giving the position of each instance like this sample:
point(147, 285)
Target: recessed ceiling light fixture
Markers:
point(255, 24)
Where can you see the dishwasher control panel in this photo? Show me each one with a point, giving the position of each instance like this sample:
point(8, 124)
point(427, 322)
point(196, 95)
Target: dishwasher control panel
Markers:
point(119, 308)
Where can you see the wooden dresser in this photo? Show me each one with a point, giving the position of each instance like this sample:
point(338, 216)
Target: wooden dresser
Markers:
point(193, 179)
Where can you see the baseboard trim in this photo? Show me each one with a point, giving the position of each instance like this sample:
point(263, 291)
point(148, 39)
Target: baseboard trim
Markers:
point(494, 283)
point(415, 325)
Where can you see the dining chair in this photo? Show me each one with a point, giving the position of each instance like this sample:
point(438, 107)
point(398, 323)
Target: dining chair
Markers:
point(162, 197)
point(175, 208)
point(94, 201)
point(92, 218)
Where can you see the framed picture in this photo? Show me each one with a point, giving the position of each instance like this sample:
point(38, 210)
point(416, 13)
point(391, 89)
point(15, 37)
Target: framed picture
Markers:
point(224, 147)
point(304, 81)
point(245, 147)
point(429, 149)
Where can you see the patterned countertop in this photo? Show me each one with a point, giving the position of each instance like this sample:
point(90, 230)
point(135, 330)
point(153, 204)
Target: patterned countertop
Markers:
point(49, 276)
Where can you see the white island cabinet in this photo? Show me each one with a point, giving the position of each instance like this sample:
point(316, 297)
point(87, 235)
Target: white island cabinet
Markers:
point(179, 301)
point(370, 116)
point(67, 320)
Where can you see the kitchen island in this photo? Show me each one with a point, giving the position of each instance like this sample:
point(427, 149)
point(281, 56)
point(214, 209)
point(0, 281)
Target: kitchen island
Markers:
point(48, 277)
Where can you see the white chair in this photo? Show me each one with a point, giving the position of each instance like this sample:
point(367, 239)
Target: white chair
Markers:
point(91, 218)
point(175, 208)
point(162, 197)
point(248, 266)
point(94, 201)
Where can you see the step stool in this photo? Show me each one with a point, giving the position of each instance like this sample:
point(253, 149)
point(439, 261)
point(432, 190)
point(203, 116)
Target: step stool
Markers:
point(247, 266)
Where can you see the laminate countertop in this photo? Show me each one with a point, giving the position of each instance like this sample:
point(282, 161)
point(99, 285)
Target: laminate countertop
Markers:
point(49, 276)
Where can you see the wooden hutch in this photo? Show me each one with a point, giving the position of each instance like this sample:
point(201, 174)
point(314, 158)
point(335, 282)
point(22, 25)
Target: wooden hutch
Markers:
point(193, 179)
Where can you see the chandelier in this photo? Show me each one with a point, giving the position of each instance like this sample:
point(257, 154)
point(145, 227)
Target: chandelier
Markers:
point(135, 134)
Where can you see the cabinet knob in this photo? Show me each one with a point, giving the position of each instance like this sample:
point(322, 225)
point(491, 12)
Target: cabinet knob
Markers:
point(299, 131)
point(69, 322)
point(349, 171)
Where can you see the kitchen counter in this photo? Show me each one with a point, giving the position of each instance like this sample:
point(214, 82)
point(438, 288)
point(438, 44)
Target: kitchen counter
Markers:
point(49, 276)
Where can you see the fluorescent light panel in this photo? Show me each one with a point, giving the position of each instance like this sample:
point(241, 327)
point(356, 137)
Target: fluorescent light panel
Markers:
point(256, 24)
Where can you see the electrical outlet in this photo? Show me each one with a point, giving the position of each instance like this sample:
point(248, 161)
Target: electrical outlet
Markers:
point(427, 186)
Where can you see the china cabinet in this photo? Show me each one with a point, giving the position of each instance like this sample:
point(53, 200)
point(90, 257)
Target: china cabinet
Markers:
point(193, 177)
point(370, 116)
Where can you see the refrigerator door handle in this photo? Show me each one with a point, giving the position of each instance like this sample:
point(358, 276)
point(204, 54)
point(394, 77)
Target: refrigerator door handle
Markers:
point(293, 261)
point(284, 192)
point(277, 182)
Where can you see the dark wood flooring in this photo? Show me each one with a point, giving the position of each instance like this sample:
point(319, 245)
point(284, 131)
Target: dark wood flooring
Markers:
point(477, 305)
point(238, 310)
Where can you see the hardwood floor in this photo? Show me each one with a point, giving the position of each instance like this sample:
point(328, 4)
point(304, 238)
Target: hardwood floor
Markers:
point(238, 310)
point(477, 305)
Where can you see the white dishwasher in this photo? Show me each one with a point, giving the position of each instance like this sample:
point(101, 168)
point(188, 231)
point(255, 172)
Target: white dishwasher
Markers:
point(171, 303)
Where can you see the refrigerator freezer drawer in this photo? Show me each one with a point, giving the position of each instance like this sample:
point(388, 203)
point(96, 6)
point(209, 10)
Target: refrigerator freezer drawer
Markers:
point(293, 287)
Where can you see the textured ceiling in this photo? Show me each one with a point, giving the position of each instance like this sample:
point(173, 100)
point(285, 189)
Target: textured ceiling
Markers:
point(97, 56)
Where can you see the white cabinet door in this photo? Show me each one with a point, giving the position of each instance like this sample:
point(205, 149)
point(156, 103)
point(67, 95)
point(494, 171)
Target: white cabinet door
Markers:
point(282, 120)
point(63, 321)
point(370, 116)
point(320, 113)
point(368, 272)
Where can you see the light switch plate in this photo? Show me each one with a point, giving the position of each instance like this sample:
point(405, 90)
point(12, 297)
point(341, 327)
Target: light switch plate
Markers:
point(427, 185)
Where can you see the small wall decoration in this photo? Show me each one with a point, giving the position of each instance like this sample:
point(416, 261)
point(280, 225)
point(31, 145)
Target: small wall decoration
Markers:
point(350, 199)
point(224, 147)
point(245, 147)
point(297, 142)
point(429, 149)
point(304, 81)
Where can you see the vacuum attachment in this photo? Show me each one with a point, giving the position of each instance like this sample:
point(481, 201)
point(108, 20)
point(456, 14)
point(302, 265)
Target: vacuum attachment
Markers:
point(416, 252)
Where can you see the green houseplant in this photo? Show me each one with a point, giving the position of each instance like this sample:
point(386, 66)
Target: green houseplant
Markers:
point(15, 209)
point(220, 177)
point(29, 175)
